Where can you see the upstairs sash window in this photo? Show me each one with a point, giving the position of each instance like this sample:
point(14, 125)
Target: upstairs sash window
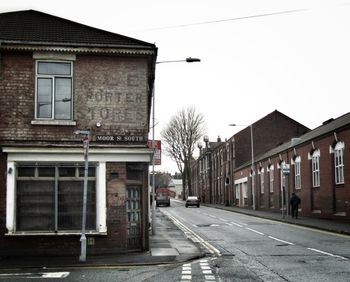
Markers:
point(54, 90)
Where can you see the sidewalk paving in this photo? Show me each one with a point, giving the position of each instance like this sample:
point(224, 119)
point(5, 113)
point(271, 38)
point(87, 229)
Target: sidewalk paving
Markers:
point(168, 245)
point(322, 224)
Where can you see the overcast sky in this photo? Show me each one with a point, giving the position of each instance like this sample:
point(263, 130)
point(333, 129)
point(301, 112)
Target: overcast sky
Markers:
point(257, 56)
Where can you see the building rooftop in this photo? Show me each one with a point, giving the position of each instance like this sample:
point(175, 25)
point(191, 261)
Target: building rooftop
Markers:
point(34, 27)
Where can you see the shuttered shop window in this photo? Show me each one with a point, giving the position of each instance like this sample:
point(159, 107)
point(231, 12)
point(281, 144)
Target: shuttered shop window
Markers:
point(49, 197)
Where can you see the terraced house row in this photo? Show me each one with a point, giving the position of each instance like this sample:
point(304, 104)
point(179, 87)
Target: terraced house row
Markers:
point(314, 164)
point(71, 93)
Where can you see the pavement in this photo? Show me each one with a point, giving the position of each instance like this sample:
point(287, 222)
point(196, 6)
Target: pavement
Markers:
point(335, 226)
point(167, 246)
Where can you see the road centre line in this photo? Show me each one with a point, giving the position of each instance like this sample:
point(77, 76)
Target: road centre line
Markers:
point(282, 241)
point(328, 254)
point(253, 230)
point(234, 223)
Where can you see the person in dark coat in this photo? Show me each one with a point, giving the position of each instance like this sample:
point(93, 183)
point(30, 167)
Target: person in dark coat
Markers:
point(294, 203)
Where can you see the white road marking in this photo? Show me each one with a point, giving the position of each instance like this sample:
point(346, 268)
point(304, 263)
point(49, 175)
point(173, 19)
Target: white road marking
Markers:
point(282, 241)
point(36, 275)
point(207, 272)
point(222, 219)
point(193, 236)
point(242, 223)
point(234, 223)
point(253, 230)
point(325, 253)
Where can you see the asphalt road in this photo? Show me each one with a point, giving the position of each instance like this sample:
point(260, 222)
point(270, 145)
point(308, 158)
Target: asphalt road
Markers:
point(238, 248)
point(273, 251)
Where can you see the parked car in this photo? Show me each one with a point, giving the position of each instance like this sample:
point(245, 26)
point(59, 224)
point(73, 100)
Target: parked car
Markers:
point(192, 201)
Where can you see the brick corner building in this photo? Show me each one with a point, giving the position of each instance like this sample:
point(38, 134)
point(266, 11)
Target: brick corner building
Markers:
point(58, 77)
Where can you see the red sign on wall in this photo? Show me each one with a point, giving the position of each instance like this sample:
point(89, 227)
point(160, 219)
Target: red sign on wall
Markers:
point(156, 145)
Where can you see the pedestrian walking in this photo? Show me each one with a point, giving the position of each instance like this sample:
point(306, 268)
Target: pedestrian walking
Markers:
point(294, 203)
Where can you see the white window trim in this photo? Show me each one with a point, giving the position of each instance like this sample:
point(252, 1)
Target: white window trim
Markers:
point(50, 76)
point(262, 181)
point(100, 156)
point(315, 159)
point(271, 170)
point(339, 147)
point(297, 169)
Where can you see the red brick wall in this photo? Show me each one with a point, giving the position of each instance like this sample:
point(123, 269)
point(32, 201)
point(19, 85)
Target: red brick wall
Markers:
point(329, 198)
point(274, 129)
point(110, 90)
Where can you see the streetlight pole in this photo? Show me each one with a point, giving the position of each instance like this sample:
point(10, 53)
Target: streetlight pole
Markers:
point(252, 161)
point(86, 141)
point(187, 60)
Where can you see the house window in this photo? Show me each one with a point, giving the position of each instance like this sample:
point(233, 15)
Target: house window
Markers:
point(238, 194)
point(339, 163)
point(271, 178)
point(245, 193)
point(262, 184)
point(297, 173)
point(54, 90)
point(315, 159)
point(49, 197)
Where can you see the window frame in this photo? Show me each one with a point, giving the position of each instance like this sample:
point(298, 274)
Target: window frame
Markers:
point(297, 173)
point(271, 178)
point(339, 163)
point(262, 181)
point(56, 179)
point(315, 168)
point(53, 78)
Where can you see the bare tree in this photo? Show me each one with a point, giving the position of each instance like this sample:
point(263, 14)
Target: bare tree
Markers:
point(180, 136)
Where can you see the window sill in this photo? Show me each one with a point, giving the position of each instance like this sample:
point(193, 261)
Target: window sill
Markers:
point(61, 233)
point(54, 122)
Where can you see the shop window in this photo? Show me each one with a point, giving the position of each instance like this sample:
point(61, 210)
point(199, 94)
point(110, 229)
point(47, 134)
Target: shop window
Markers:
point(54, 90)
point(50, 198)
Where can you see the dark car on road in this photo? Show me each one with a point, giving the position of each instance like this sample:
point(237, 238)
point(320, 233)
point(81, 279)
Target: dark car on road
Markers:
point(192, 201)
point(162, 197)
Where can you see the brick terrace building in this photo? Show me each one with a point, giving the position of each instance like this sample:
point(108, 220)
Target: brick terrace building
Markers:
point(213, 172)
point(57, 77)
point(313, 165)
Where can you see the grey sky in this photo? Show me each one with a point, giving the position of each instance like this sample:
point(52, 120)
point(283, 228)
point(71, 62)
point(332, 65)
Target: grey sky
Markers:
point(257, 55)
